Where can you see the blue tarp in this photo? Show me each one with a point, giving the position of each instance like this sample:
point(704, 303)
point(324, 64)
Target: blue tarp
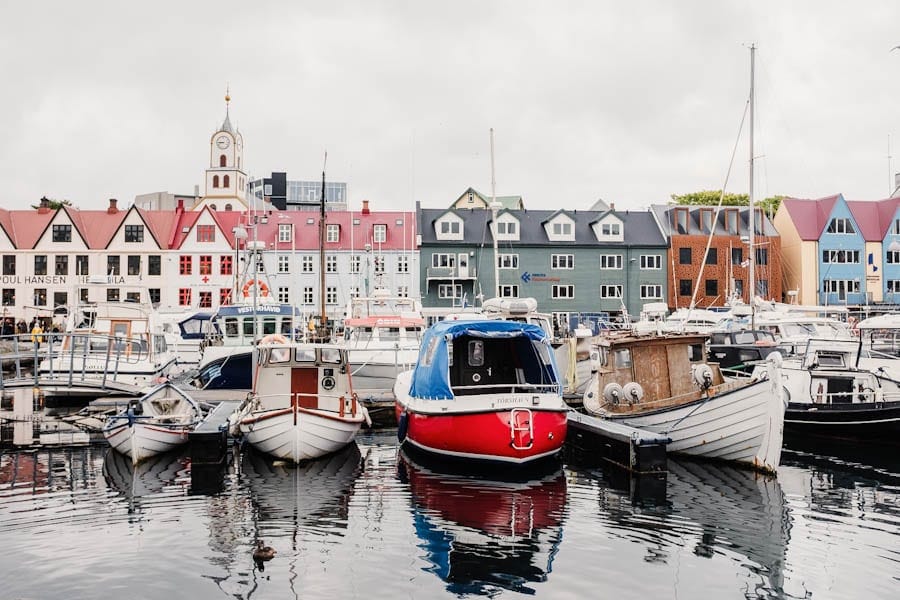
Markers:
point(431, 377)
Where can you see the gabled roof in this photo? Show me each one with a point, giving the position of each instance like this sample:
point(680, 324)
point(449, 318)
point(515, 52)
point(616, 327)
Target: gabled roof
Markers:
point(556, 213)
point(874, 217)
point(664, 213)
point(810, 217)
point(507, 202)
point(159, 223)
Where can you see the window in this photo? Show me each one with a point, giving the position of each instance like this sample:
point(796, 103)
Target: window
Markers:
point(402, 291)
point(62, 233)
point(40, 265)
point(134, 265)
point(284, 295)
point(893, 285)
point(739, 287)
point(134, 233)
point(610, 291)
point(284, 264)
point(507, 228)
point(731, 221)
point(224, 296)
point(611, 229)
point(680, 217)
point(206, 233)
point(226, 181)
point(443, 260)
point(562, 261)
point(113, 265)
point(40, 296)
point(112, 295)
point(225, 265)
point(762, 288)
point(706, 219)
point(61, 265)
point(223, 162)
point(355, 263)
point(185, 264)
point(712, 257)
point(450, 227)
point(307, 295)
point(833, 286)
point(840, 225)
point(379, 264)
point(562, 291)
point(380, 234)
point(562, 229)
point(260, 264)
point(651, 292)
point(81, 264)
point(651, 261)
point(331, 295)
point(845, 256)
point(737, 256)
point(508, 261)
point(285, 231)
point(205, 299)
point(895, 227)
point(449, 290)
point(83, 295)
point(332, 233)
point(684, 287)
point(610, 261)
point(762, 256)
point(9, 297)
point(215, 181)
point(205, 265)
point(712, 287)
point(509, 291)
point(403, 263)
point(892, 257)
point(184, 297)
point(331, 264)
point(154, 294)
point(306, 266)
point(684, 256)
point(9, 264)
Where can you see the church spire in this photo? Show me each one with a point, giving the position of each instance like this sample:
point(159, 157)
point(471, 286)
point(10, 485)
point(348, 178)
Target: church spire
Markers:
point(226, 124)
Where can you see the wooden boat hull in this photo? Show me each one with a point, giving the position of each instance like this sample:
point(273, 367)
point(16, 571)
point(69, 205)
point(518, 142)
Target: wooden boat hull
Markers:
point(743, 426)
point(142, 440)
point(297, 434)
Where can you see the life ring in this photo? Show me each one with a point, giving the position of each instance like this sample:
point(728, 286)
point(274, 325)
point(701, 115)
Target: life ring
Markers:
point(260, 286)
point(273, 338)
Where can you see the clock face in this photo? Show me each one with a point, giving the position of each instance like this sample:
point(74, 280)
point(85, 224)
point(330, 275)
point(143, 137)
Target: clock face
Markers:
point(223, 142)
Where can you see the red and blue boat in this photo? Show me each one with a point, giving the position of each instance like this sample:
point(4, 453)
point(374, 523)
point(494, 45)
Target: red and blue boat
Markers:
point(486, 391)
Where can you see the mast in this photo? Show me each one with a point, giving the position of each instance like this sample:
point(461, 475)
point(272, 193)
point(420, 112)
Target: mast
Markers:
point(494, 222)
point(322, 317)
point(751, 236)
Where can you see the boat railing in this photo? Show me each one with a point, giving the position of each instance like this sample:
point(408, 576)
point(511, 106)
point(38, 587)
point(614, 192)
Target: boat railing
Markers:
point(340, 404)
point(508, 388)
point(865, 395)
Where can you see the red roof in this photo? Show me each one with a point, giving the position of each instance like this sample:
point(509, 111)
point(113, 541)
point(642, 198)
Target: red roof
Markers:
point(25, 227)
point(810, 216)
point(873, 217)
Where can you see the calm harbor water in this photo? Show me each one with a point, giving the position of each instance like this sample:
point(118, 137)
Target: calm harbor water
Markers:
point(371, 522)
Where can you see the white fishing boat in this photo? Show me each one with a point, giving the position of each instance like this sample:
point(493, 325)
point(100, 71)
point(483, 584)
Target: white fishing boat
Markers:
point(157, 422)
point(383, 334)
point(663, 384)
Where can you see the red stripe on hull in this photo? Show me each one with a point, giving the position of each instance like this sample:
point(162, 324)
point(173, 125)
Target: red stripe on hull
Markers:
point(486, 435)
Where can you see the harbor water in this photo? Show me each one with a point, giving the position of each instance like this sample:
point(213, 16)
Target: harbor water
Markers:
point(372, 522)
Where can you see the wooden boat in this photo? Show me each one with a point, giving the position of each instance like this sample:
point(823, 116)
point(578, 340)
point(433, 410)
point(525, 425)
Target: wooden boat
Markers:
point(485, 390)
point(155, 423)
point(663, 384)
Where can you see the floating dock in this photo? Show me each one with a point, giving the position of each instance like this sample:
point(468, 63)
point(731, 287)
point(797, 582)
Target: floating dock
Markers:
point(635, 450)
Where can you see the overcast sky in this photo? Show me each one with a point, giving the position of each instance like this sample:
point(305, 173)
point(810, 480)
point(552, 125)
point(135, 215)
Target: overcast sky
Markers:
point(626, 101)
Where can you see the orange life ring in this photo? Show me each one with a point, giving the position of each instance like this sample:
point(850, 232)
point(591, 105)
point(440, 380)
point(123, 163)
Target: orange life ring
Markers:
point(261, 286)
point(273, 338)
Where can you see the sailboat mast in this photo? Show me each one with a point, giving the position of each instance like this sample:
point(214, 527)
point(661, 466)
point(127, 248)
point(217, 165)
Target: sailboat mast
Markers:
point(751, 235)
point(323, 318)
point(494, 221)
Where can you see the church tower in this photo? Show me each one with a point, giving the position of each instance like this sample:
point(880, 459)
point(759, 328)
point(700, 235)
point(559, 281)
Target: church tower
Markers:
point(226, 180)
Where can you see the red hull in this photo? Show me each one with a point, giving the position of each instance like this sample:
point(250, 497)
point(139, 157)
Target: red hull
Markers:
point(488, 436)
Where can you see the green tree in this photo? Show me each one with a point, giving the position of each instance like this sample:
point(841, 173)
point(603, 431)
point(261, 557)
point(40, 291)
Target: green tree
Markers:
point(711, 198)
point(54, 204)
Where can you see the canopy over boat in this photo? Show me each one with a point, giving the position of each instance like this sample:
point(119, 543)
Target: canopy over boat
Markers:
point(431, 377)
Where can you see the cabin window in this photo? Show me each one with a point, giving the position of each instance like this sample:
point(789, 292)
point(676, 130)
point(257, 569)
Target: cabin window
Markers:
point(306, 355)
point(696, 353)
point(429, 352)
point(269, 326)
point(231, 327)
point(476, 353)
point(248, 327)
point(331, 355)
point(279, 355)
point(622, 358)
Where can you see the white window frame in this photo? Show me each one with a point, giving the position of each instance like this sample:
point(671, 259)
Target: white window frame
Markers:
point(355, 263)
point(284, 264)
point(842, 226)
point(284, 295)
point(509, 291)
point(331, 263)
point(332, 233)
point(611, 291)
point(403, 263)
point(610, 262)
point(437, 257)
point(651, 291)
point(307, 264)
point(403, 291)
point(285, 231)
point(562, 229)
point(562, 262)
point(562, 292)
point(331, 295)
point(648, 260)
point(453, 288)
point(308, 295)
point(508, 261)
point(379, 233)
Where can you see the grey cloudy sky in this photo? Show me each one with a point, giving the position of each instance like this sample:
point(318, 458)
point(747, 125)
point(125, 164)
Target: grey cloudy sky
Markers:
point(625, 101)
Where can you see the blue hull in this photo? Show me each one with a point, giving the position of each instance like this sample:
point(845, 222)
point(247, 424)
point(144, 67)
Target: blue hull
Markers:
point(233, 372)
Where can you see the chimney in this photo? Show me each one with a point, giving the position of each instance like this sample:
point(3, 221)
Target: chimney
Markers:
point(612, 206)
point(180, 206)
point(112, 207)
point(44, 206)
point(365, 208)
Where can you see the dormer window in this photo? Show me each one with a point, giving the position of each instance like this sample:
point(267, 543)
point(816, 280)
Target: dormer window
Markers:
point(507, 227)
point(680, 220)
point(706, 219)
point(731, 221)
point(379, 235)
point(562, 229)
point(608, 230)
point(62, 233)
point(285, 232)
point(450, 227)
point(333, 233)
point(840, 225)
point(611, 229)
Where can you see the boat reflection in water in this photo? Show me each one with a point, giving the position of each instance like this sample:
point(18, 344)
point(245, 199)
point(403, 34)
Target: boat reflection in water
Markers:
point(483, 535)
point(314, 494)
point(153, 476)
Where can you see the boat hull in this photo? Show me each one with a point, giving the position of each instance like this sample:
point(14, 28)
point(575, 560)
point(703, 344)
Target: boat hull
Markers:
point(485, 436)
point(863, 421)
point(744, 426)
point(140, 441)
point(298, 434)
point(233, 371)
point(374, 381)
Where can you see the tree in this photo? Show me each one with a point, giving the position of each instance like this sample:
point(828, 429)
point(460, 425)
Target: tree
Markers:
point(54, 204)
point(711, 198)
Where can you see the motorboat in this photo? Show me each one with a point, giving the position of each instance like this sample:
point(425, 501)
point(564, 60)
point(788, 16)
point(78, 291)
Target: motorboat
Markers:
point(156, 422)
point(486, 390)
point(665, 385)
point(740, 350)
point(383, 334)
point(302, 405)
point(186, 333)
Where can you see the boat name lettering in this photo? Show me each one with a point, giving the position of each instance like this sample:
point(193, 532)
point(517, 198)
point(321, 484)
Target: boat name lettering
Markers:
point(513, 400)
point(260, 309)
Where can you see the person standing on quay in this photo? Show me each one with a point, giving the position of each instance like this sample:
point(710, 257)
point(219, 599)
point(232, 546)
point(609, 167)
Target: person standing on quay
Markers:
point(36, 336)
